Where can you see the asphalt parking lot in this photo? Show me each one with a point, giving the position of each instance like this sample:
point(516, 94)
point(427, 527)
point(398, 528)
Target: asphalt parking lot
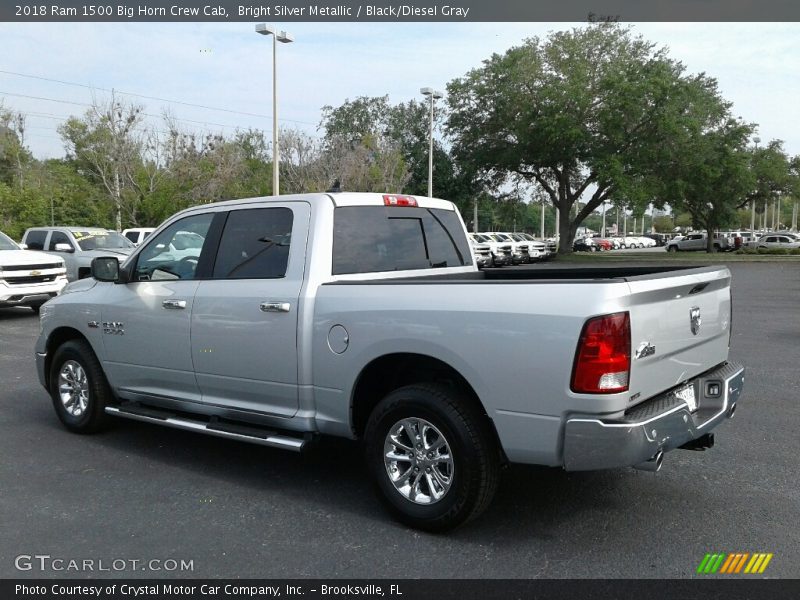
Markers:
point(143, 492)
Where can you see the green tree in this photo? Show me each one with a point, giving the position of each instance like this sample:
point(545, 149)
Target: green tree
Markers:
point(585, 114)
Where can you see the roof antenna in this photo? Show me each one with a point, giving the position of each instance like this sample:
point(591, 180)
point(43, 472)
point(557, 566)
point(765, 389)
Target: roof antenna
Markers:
point(335, 188)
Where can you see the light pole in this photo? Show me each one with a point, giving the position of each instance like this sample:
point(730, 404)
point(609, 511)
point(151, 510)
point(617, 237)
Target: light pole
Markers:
point(756, 141)
point(285, 38)
point(432, 95)
point(603, 228)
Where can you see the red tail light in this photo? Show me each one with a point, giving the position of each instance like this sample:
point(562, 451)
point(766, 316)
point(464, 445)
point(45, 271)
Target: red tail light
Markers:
point(603, 360)
point(397, 200)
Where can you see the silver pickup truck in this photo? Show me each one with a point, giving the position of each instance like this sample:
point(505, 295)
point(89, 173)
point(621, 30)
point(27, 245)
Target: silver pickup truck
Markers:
point(364, 316)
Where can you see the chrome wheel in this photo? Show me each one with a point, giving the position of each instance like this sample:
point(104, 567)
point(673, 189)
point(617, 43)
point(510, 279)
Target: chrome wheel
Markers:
point(73, 388)
point(418, 461)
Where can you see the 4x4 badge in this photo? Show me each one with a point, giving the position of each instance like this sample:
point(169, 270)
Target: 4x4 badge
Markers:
point(694, 319)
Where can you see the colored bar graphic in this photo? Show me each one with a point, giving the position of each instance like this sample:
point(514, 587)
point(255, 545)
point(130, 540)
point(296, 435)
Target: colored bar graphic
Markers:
point(720, 562)
point(727, 564)
point(703, 563)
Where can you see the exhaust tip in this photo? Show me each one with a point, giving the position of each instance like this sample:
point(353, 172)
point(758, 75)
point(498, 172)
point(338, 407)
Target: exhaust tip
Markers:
point(732, 410)
point(653, 465)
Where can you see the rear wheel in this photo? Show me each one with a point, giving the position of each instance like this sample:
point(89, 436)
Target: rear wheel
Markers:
point(78, 387)
point(432, 456)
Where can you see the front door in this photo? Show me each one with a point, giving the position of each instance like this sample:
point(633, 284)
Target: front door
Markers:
point(147, 321)
point(244, 319)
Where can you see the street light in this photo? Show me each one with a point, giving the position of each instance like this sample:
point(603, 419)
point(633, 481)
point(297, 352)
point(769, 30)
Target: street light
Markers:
point(285, 38)
point(433, 95)
point(756, 141)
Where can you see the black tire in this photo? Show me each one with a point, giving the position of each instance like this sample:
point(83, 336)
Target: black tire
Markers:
point(471, 444)
point(672, 248)
point(93, 418)
point(36, 307)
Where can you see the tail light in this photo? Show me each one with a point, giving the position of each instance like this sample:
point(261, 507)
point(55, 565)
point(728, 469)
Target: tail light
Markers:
point(603, 360)
point(397, 200)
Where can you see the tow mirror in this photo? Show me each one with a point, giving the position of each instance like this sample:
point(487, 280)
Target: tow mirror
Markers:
point(105, 268)
point(64, 248)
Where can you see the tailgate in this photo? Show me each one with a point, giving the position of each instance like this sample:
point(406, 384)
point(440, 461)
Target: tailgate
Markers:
point(680, 327)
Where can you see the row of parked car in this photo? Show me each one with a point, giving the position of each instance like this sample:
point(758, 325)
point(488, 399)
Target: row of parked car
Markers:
point(600, 244)
point(40, 266)
point(496, 249)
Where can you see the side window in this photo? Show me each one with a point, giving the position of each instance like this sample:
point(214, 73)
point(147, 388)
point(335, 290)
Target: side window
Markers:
point(255, 244)
point(58, 237)
point(175, 252)
point(35, 240)
point(132, 236)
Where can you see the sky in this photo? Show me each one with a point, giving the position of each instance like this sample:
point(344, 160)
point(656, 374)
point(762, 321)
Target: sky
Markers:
point(228, 67)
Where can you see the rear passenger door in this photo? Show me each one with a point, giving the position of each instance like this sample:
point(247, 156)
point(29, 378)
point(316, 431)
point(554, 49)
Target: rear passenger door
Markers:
point(244, 320)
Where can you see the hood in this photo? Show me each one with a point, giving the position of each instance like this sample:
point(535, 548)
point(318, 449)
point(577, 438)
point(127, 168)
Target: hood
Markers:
point(9, 258)
point(107, 252)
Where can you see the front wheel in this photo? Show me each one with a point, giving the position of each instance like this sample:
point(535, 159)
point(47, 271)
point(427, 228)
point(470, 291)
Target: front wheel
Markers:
point(432, 456)
point(78, 387)
point(672, 248)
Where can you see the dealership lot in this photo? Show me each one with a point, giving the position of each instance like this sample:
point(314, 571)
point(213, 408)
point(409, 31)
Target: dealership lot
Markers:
point(140, 492)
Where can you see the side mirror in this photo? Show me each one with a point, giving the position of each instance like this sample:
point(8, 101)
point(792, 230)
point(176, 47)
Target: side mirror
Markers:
point(64, 248)
point(105, 268)
point(23, 246)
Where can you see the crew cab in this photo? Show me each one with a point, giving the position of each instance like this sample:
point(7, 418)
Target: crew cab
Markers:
point(77, 246)
point(698, 241)
point(364, 316)
point(26, 278)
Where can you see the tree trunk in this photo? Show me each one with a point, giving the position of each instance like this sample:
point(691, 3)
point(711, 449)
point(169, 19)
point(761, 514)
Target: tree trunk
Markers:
point(566, 233)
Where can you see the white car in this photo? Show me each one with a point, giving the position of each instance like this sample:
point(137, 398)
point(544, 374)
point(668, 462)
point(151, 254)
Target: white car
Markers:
point(28, 278)
point(137, 234)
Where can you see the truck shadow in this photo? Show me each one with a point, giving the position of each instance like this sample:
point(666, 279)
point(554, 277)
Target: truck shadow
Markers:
point(531, 502)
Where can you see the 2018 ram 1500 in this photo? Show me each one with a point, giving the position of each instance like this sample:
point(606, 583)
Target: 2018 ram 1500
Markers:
point(364, 316)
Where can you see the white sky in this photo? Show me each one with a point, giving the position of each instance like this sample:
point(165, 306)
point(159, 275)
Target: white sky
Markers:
point(227, 65)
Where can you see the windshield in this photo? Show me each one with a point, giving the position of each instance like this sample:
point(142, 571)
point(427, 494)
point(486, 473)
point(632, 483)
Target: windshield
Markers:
point(6, 243)
point(501, 238)
point(101, 240)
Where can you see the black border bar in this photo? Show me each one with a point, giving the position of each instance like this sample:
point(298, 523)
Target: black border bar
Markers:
point(727, 588)
point(454, 11)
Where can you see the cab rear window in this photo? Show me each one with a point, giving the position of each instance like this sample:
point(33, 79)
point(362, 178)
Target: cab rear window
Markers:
point(372, 239)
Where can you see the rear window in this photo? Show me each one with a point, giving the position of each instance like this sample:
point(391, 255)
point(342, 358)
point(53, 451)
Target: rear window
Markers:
point(370, 239)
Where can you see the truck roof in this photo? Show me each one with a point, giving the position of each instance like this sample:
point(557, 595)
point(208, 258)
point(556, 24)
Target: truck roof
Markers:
point(338, 199)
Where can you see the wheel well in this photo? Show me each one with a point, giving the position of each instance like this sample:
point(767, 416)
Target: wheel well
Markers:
point(56, 339)
point(393, 371)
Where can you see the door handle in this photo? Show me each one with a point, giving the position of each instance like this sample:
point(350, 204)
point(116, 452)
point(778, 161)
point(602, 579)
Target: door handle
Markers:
point(174, 304)
point(275, 307)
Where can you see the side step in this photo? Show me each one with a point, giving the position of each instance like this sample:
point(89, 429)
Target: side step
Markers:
point(233, 431)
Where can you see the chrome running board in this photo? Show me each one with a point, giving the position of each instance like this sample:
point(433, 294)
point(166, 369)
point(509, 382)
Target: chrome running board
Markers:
point(242, 433)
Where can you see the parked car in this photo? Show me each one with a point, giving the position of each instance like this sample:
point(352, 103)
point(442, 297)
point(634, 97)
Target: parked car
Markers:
point(501, 252)
point(27, 278)
point(777, 241)
point(481, 252)
point(603, 244)
point(660, 239)
point(363, 316)
point(585, 244)
point(77, 246)
point(532, 249)
point(697, 241)
point(519, 251)
point(537, 245)
point(138, 234)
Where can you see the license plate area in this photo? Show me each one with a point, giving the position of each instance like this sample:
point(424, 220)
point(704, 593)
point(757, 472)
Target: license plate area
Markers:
point(687, 394)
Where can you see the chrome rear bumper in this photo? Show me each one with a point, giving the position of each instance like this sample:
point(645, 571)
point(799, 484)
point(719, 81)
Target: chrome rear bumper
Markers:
point(658, 425)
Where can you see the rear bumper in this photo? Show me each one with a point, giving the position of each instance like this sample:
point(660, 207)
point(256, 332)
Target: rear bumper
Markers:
point(661, 424)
